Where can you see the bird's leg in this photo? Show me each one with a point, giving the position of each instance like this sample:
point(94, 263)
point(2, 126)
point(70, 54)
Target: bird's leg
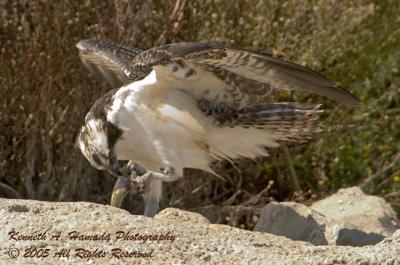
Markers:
point(166, 175)
point(152, 196)
point(152, 183)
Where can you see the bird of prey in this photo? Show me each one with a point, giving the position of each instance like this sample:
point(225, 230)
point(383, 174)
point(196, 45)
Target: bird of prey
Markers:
point(184, 105)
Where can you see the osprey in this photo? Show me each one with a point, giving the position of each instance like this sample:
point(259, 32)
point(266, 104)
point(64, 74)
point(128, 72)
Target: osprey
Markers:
point(183, 105)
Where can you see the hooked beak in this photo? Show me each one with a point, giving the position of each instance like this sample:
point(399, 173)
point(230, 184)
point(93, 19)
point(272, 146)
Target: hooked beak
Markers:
point(114, 168)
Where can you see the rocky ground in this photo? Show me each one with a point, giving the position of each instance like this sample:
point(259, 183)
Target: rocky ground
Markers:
point(347, 218)
point(35, 232)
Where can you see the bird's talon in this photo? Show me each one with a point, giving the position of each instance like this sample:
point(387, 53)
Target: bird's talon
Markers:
point(167, 171)
point(133, 175)
point(141, 180)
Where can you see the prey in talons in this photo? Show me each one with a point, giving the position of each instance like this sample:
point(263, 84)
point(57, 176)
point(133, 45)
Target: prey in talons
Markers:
point(134, 175)
point(130, 176)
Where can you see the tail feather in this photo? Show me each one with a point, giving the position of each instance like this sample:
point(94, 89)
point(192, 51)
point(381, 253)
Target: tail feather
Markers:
point(245, 132)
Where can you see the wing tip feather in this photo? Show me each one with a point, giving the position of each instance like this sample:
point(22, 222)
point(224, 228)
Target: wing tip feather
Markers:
point(85, 44)
point(347, 98)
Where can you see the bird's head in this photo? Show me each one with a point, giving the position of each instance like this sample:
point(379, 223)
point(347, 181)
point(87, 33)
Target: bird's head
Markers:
point(94, 143)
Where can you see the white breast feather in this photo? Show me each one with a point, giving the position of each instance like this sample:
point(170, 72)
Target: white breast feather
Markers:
point(155, 117)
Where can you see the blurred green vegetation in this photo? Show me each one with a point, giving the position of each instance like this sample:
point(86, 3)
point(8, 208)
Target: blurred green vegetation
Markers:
point(46, 92)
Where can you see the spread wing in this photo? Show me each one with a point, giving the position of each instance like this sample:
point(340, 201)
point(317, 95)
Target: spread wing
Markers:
point(209, 71)
point(107, 61)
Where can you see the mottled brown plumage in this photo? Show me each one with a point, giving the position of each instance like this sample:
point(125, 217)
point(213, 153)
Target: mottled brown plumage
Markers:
point(186, 104)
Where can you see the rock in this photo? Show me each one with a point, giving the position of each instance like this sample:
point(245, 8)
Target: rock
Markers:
point(294, 221)
point(85, 233)
point(181, 216)
point(352, 206)
point(299, 222)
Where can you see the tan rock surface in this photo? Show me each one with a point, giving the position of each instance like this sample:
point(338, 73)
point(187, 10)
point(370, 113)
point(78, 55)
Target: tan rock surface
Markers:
point(188, 239)
point(299, 222)
point(353, 206)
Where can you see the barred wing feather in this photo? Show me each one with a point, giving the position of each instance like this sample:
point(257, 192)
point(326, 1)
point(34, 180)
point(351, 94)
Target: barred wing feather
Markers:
point(244, 77)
